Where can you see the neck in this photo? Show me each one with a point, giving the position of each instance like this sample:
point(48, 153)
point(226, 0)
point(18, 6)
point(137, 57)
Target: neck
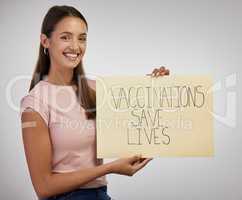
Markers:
point(60, 76)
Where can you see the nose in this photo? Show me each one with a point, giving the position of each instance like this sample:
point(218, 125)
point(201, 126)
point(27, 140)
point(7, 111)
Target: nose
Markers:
point(75, 44)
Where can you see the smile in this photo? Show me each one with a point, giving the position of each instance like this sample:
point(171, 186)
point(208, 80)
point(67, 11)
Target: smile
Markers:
point(71, 56)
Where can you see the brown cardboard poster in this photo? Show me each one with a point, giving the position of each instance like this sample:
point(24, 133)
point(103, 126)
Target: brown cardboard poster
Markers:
point(164, 116)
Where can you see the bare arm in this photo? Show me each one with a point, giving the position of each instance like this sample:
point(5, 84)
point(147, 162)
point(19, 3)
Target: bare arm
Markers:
point(38, 151)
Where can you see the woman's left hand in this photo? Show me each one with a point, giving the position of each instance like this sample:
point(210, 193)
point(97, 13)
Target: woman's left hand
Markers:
point(162, 71)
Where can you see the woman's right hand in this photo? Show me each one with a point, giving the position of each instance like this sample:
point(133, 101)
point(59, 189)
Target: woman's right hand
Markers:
point(128, 166)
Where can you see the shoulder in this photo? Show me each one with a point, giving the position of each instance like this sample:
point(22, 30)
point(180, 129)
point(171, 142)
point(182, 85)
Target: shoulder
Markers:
point(36, 100)
point(39, 92)
point(91, 83)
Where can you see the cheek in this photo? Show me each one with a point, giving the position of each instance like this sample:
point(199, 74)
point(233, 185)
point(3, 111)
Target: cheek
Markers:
point(61, 47)
point(57, 50)
point(83, 47)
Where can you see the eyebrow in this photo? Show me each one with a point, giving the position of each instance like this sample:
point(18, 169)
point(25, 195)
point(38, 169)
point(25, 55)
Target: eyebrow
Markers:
point(66, 32)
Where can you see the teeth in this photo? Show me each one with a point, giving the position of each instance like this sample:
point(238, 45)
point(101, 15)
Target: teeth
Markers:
point(71, 55)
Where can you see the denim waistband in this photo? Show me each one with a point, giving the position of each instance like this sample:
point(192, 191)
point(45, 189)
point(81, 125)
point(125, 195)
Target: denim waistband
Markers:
point(81, 191)
point(102, 188)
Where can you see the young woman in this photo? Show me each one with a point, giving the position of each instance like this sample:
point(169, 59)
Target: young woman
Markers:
point(58, 116)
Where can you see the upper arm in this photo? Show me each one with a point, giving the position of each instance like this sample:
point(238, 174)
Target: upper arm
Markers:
point(38, 149)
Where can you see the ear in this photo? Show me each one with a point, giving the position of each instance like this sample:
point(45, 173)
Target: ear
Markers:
point(44, 40)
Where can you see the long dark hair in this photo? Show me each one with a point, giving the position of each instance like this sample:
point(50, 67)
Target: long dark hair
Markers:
point(85, 94)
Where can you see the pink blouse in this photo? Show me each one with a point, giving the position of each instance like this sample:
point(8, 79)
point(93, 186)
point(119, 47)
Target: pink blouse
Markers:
point(72, 134)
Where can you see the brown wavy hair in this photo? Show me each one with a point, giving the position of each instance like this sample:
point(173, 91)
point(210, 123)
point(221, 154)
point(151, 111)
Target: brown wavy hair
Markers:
point(85, 94)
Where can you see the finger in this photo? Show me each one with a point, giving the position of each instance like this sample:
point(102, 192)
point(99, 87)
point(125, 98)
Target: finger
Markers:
point(140, 165)
point(142, 159)
point(134, 158)
point(167, 72)
point(155, 71)
point(162, 68)
point(162, 73)
point(139, 160)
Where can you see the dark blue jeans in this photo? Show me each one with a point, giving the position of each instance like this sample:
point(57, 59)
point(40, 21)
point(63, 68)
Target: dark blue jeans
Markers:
point(83, 194)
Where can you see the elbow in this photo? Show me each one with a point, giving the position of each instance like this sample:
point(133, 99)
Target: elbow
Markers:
point(42, 194)
point(43, 190)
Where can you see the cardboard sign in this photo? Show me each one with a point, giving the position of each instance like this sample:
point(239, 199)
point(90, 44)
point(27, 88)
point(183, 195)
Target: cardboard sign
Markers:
point(164, 116)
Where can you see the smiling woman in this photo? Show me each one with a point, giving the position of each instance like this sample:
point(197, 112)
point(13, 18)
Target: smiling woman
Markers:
point(61, 157)
point(71, 43)
point(63, 45)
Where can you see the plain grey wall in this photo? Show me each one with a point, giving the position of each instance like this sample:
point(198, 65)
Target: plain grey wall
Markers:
point(132, 37)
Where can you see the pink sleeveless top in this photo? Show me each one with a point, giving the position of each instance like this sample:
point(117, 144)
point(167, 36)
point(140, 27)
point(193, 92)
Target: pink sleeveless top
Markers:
point(73, 136)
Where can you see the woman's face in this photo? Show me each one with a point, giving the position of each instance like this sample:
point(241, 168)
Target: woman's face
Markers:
point(67, 43)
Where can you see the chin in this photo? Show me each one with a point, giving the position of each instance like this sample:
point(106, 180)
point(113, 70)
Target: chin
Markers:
point(71, 65)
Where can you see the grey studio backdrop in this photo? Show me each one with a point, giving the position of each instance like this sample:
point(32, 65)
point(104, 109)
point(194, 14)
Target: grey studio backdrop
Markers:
point(130, 38)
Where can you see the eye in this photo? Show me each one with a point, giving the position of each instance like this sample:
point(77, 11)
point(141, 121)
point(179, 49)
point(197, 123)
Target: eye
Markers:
point(65, 37)
point(83, 39)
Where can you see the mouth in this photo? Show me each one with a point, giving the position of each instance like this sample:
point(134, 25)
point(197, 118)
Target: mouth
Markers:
point(71, 56)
